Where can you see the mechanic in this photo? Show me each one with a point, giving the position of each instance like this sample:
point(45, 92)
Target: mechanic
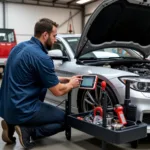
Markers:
point(29, 72)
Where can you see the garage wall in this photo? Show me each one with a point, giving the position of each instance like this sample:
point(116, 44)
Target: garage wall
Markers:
point(1, 15)
point(23, 17)
point(90, 8)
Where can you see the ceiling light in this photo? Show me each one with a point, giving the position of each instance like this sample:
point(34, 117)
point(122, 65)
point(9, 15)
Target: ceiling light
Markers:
point(83, 1)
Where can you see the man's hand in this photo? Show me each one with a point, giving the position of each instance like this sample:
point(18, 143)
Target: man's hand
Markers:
point(75, 81)
point(67, 79)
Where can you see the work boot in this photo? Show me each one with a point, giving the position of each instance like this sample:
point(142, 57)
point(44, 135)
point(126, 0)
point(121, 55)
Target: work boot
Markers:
point(24, 134)
point(8, 132)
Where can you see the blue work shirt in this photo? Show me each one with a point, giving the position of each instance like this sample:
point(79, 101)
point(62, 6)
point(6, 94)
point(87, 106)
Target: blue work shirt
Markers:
point(29, 69)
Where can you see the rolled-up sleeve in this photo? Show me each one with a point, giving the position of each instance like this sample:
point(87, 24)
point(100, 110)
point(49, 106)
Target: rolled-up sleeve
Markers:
point(46, 72)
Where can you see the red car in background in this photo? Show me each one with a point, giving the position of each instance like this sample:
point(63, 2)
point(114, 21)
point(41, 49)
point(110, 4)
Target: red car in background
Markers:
point(7, 42)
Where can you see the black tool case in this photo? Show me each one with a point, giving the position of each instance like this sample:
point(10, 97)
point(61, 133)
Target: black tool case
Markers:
point(132, 132)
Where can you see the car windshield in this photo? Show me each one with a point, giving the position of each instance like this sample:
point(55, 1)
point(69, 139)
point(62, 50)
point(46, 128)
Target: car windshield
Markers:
point(73, 42)
point(113, 53)
point(109, 53)
point(7, 35)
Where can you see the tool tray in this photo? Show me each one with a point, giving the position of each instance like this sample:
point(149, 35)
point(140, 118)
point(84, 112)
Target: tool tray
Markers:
point(130, 132)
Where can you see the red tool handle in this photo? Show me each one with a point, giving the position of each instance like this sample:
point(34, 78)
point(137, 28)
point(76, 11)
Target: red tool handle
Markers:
point(98, 109)
point(103, 85)
point(119, 111)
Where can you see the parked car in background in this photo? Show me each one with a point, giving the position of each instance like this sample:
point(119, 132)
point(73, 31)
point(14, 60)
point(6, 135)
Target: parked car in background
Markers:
point(113, 45)
point(7, 42)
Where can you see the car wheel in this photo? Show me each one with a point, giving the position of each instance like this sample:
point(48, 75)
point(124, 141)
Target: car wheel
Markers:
point(87, 99)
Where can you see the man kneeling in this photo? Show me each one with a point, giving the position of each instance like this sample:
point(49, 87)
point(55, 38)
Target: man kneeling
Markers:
point(30, 71)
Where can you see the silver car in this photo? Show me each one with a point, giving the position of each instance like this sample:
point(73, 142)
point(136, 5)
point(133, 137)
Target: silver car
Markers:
point(113, 45)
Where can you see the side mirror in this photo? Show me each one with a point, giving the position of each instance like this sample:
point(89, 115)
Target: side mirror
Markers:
point(57, 54)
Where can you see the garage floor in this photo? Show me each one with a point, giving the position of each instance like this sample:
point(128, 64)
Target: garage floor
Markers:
point(80, 141)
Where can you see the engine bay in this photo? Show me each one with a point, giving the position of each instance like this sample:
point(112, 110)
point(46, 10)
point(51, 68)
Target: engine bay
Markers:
point(141, 68)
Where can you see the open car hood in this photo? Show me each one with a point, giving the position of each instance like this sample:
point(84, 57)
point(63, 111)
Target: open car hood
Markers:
point(117, 23)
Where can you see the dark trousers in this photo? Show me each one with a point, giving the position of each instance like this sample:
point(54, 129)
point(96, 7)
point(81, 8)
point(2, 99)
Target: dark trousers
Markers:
point(48, 121)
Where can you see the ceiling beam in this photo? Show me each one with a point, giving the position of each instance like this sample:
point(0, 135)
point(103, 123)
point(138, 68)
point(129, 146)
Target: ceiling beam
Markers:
point(71, 2)
point(27, 3)
point(54, 1)
point(51, 3)
point(59, 3)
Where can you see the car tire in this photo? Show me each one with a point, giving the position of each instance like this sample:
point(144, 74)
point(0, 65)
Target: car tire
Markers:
point(81, 95)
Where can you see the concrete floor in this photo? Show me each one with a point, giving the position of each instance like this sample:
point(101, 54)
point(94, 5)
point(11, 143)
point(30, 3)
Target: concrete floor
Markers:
point(79, 141)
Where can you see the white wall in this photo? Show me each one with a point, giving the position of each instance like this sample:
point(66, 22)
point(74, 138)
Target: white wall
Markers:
point(90, 8)
point(1, 15)
point(23, 18)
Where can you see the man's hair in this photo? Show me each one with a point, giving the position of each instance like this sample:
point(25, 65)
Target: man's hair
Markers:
point(43, 25)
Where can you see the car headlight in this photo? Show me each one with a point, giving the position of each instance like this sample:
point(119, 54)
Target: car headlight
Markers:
point(138, 84)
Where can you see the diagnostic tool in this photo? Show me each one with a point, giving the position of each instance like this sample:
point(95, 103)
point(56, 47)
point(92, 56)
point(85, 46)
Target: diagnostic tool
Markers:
point(89, 82)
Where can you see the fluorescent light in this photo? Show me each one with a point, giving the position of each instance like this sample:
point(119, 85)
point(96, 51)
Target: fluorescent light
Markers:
point(83, 1)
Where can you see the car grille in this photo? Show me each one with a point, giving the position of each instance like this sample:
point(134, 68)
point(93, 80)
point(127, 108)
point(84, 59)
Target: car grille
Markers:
point(146, 118)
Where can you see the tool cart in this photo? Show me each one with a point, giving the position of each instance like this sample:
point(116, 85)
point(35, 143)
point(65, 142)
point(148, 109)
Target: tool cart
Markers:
point(116, 125)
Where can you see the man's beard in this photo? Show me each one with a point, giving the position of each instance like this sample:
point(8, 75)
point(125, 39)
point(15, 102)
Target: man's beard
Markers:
point(48, 44)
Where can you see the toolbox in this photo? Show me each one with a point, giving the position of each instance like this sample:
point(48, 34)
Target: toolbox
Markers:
point(131, 132)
